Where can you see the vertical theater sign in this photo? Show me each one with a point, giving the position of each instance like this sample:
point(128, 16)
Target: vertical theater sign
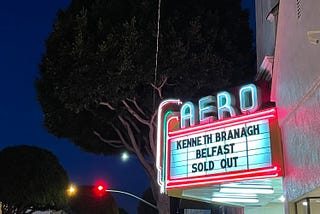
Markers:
point(221, 139)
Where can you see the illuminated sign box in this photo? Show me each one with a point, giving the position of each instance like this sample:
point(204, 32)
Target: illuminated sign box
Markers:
point(233, 150)
point(237, 148)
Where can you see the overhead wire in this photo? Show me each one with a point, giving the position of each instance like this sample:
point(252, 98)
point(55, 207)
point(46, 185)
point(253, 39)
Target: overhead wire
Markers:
point(157, 53)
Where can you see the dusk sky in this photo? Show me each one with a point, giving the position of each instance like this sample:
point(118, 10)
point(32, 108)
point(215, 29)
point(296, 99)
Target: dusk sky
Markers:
point(24, 27)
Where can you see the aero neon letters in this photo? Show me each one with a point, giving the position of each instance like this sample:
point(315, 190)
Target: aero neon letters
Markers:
point(219, 107)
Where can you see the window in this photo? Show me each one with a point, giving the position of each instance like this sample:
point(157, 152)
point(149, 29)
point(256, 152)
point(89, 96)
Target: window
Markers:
point(308, 206)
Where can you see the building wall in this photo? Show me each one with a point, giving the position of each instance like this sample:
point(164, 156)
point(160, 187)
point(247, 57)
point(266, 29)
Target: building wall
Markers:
point(265, 30)
point(296, 87)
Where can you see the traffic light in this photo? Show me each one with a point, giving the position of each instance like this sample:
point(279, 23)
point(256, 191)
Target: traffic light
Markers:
point(100, 189)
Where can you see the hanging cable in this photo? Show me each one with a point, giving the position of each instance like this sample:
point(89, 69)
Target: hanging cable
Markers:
point(157, 52)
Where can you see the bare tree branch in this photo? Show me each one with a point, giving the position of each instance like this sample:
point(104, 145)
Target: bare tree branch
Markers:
point(148, 149)
point(136, 148)
point(134, 125)
point(153, 118)
point(151, 126)
point(114, 143)
point(128, 147)
point(134, 101)
point(151, 141)
point(152, 135)
point(108, 105)
point(159, 89)
point(134, 114)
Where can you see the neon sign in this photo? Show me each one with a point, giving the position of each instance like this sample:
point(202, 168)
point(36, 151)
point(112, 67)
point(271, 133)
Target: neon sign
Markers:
point(220, 106)
point(213, 142)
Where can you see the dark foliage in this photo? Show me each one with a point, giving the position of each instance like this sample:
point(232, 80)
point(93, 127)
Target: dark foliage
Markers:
point(104, 51)
point(87, 202)
point(122, 211)
point(31, 179)
point(143, 208)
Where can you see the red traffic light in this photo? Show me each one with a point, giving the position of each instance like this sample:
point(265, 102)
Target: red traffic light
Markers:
point(100, 189)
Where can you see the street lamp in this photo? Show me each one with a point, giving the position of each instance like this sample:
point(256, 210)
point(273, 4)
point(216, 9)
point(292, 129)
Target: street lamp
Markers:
point(72, 190)
point(124, 156)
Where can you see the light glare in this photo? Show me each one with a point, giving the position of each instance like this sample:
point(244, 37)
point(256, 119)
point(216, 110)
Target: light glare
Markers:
point(72, 190)
point(282, 198)
point(100, 187)
point(124, 156)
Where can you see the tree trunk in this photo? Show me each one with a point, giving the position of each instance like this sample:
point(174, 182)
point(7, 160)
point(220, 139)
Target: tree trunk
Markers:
point(162, 200)
point(163, 204)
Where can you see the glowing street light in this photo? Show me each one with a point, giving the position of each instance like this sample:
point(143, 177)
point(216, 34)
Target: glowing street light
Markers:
point(124, 156)
point(72, 190)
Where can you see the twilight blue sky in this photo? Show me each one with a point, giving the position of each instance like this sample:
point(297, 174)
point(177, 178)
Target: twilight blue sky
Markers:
point(24, 26)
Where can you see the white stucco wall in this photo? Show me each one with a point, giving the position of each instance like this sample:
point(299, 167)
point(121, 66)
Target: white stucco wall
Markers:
point(297, 95)
point(265, 30)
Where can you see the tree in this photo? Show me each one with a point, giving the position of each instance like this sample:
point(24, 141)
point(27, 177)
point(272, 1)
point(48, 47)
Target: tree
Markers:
point(86, 201)
point(32, 179)
point(99, 85)
point(143, 208)
point(122, 211)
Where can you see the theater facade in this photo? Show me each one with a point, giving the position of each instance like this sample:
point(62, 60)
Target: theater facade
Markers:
point(224, 148)
point(246, 148)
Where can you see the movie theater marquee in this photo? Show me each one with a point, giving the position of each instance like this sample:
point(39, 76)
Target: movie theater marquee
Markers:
point(217, 140)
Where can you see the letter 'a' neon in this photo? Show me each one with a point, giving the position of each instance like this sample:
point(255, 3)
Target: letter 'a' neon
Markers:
point(205, 108)
point(187, 113)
